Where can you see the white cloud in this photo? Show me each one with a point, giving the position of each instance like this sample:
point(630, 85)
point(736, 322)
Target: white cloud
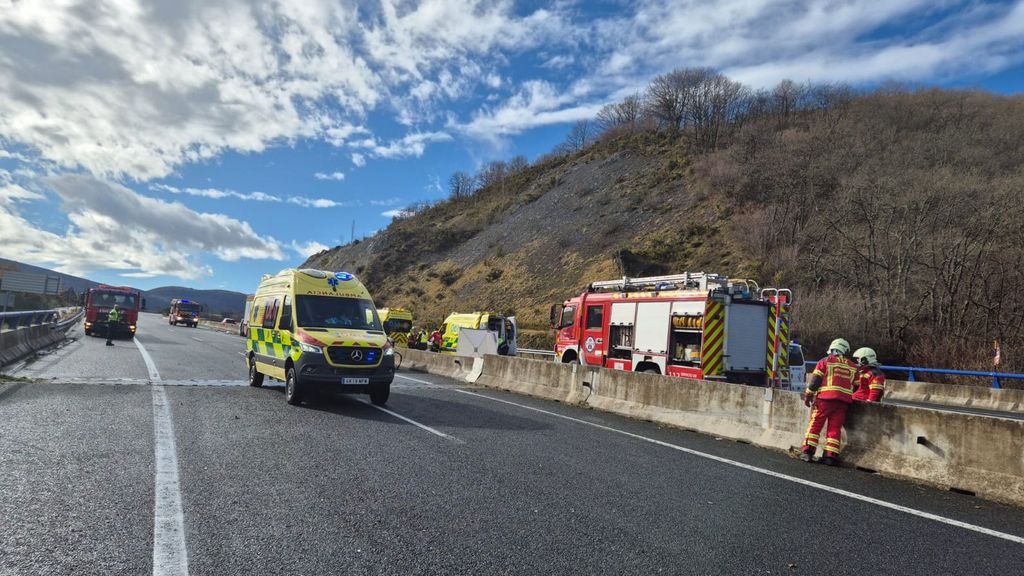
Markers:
point(358, 159)
point(332, 176)
point(113, 227)
point(216, 194)
point(386, 202)
point(307, 249)
point(396, 213)
point(316, 202)
point(538, 103)
point(413, 144)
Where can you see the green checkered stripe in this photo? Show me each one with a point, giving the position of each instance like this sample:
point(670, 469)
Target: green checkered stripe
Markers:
point(262, 341)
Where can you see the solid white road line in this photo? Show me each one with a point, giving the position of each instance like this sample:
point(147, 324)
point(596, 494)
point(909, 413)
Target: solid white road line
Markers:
point(416, 380)
point(154, 376)
point(170, 558)
point(411, 421)
point(196, 339)
point(795, 480)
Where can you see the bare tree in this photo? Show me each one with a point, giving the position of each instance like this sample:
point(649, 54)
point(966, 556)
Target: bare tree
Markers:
point(460, 185)
point(579, 137)
point(627, 114)
point(517, 164)
point(491, 173)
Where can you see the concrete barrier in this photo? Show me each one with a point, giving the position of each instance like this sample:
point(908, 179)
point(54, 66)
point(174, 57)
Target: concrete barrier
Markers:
point(448, 365)
point(975, 454)
point(17, 343)
point(958, 395)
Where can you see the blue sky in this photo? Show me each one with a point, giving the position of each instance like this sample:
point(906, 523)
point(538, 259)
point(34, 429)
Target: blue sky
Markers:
point(206, 142)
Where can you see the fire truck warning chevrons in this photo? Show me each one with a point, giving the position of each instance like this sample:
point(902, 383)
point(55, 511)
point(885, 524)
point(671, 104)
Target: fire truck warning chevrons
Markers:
point(712, 358)
point(783, 342)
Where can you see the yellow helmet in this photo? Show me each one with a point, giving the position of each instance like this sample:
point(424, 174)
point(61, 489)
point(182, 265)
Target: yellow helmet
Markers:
point(839, 346)
point(866, 356)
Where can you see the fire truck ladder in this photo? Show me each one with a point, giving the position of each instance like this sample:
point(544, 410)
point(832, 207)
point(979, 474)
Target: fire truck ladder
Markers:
point(684, 281)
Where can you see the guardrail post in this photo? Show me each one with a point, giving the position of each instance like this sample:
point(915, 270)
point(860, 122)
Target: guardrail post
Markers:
point(995, 380)
point(910, 376)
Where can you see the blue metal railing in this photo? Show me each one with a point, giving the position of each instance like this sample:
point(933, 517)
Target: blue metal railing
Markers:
point(13, 320)
point(910, 371)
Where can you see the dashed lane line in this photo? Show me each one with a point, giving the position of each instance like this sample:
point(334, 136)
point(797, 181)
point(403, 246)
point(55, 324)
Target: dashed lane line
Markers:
point(838, 491)
point(196, 339)
point(170, 557)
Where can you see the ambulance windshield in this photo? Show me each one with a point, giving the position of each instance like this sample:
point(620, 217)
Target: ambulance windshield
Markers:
point(335, 312)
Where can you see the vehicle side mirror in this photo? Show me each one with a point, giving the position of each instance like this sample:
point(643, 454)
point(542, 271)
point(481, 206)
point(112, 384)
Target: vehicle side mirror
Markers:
point(553, 315)
point(143, 303)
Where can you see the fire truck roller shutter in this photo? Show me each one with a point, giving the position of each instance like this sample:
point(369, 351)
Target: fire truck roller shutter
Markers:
point(623, 313)
point(746, 336)
point(652, 327)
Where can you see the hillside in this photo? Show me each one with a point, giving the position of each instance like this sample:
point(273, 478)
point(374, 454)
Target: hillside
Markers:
point(895, 215)
point(218, 302)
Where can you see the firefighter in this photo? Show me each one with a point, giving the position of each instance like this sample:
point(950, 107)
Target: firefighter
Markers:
point(831, 391)
point(870, 378)
point(435, 341)
point(113, 319)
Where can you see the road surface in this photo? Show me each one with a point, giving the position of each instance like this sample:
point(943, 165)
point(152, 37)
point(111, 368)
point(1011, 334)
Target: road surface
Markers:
point(110, 464)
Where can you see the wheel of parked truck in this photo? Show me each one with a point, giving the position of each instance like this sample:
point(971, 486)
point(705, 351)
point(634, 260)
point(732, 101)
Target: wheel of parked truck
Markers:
point(255, 376)
point(292, 389)
point(379, 394)
point(88, 332)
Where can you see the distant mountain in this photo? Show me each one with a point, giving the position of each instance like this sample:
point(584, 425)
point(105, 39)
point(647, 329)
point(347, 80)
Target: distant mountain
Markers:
point(217, 302)
point(220, 302)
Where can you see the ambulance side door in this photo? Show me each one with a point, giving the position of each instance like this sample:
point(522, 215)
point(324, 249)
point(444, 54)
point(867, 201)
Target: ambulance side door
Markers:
point(595, 322)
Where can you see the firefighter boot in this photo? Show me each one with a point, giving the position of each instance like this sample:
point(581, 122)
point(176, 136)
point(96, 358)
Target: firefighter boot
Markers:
point(830, 459)
point(807, 454)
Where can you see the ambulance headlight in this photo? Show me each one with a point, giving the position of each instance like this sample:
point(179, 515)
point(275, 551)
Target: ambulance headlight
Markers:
point(310, 348)
point(389, 351)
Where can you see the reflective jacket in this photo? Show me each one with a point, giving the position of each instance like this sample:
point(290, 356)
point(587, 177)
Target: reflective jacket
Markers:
point(114, 316)
point(834, 378)
point(870, 384)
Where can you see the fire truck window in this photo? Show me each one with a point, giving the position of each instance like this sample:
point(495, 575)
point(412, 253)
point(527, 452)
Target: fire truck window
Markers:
point(594, 317)
point(568, 317)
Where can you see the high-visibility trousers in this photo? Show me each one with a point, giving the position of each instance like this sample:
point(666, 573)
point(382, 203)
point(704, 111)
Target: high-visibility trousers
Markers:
point(833, 412)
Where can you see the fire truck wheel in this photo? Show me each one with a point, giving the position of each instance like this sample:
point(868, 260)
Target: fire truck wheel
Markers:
point(255, 376)
point(88, 332)
point(651, 371)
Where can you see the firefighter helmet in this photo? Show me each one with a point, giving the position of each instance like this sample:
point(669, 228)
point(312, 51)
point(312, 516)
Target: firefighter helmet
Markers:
point(866, 356)
point(839, 346)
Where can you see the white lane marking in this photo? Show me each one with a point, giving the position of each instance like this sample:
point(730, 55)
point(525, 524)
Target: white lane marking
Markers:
point(411, 421)
point(150, 365)
point(826, 488)
point(196, 339)
point(415, 380)
point(170, 558)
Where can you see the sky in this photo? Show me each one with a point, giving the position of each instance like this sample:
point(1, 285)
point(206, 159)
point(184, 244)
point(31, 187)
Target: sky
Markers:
point(207, 142)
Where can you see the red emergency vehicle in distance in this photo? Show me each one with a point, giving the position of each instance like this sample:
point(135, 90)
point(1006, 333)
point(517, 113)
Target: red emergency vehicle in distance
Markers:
point(99, 301)
point(693, 325)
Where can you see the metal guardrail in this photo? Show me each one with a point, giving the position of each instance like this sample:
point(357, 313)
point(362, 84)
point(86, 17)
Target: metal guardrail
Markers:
point(911, 371)
point(14, 320)
point(521, 351)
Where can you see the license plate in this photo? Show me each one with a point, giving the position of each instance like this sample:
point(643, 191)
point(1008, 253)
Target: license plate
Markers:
point(355, 380)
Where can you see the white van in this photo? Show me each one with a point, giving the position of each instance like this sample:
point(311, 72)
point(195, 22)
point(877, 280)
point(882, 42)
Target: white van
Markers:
point(797, 368)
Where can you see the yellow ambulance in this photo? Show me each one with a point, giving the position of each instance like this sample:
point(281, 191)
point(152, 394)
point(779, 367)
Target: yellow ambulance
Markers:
point(397, 323)
point(503, 327)
point(318, 330)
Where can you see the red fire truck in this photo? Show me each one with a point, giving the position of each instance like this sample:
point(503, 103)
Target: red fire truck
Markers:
point(99, 301)
point(693, 325)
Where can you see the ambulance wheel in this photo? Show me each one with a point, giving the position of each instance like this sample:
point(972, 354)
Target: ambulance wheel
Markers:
point(379, 394)
point(292, 389)
point(255, 376)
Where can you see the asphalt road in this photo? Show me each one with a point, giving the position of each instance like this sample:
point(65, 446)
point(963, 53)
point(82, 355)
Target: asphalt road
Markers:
point(471, 481)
